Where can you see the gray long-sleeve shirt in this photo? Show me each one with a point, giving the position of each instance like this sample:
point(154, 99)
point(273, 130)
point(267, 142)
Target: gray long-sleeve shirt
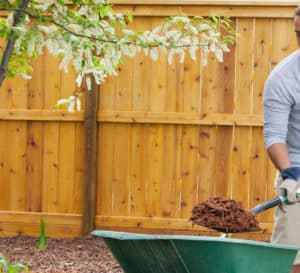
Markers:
point(282, 106)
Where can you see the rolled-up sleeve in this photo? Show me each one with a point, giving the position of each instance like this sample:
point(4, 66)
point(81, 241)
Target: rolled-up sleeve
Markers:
point(277, 105)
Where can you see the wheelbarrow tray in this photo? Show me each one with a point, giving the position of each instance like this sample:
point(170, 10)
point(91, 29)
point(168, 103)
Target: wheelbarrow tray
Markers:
point(141, 253)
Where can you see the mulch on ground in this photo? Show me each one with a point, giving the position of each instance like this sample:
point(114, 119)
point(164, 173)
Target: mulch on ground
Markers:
point(224, 215)
point(86, 254)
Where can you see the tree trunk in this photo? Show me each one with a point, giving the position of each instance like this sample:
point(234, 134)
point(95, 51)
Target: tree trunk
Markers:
point(11, 42)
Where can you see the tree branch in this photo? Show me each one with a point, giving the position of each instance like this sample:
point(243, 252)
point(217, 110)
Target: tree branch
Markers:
point(60, 26)
point(11, 42)
point(90, 37)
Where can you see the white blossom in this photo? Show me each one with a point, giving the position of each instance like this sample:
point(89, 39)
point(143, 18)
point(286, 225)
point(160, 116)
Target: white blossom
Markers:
point(154, 53)
point(219, 54)
point(88, 83)
point(156, 30)
point(96, 46)
point(79, 79)
point(182, 55)
point(31, 46)
point(181, 19)
point(25, 76)
point(225, 48)
point(48, 29)
point(204, 27)
point(192, 51)
point(173, 34)
point(191, 28)
point(44, 6)
point(204, 57)
point(83, 11)
point(170, 56)
point(10, 19)
point(146, 51)
point(66, 59)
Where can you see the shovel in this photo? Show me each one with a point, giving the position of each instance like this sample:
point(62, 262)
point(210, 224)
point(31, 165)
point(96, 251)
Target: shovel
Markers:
point(268, 204)
point(271, 203)
point(277, 201)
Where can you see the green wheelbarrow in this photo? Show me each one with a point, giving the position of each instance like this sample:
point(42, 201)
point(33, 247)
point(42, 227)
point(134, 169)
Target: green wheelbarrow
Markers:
point(141, 253)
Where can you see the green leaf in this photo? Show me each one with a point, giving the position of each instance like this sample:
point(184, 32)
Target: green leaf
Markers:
point(20, 267)
point(102, 11)
point(11, 268)
point(129, 17)
point(42, 240)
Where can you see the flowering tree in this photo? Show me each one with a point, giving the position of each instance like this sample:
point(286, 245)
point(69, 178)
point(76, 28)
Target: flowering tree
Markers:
point(94, 39)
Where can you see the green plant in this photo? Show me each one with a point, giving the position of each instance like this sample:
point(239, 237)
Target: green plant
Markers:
point(90, 36)
point(11, 268)
point(42, 240)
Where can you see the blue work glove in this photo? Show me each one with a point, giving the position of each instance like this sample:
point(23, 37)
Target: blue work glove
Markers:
point(290, 184)
point(291, 173)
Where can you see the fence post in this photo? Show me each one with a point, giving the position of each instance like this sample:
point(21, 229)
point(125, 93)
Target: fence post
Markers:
point(90, 174)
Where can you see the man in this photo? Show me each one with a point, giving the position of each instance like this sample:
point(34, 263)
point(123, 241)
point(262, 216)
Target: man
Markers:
point(282, 140)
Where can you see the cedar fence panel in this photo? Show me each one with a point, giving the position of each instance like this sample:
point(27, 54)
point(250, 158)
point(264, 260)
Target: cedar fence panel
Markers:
point(169, 136)
point(183, 132)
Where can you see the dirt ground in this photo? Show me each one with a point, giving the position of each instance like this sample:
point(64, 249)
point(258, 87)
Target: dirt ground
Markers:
point(87, 254)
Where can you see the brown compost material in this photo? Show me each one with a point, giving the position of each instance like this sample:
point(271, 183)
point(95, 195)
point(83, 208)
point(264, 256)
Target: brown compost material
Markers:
point(224, 215)
point(85, 254)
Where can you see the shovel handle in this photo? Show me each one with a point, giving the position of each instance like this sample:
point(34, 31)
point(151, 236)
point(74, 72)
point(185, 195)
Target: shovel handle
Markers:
point(271, 203)
point(267, 205)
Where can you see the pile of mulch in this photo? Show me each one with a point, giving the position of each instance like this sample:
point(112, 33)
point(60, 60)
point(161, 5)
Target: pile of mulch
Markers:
point(86, 254)
point(224, 215)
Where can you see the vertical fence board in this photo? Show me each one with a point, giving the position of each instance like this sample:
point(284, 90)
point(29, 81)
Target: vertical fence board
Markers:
point(226, 77)
point(188, 170)
point(207, 135)
point(172, 146)
point(34, 175)
point(105, 150)
point(34, 166)
point(138, 171)
point(243, 102)
point(50, 168)
point(293, 41)
point(67, 151)
point(157, 98)
point(4, 174)
point(222, 166)
point(169, 186)
point(5, 147)
point(66, 168)
point(79, 170)
point(280, 43)
point(224, 103)
point(17, 157)
point(122, 134)
point(17, 165)
point(139, 132)
point(258, 160)
point(105, 171)
point(207, 140)
point(51, 139)
point(190, 136)
point(155, 176)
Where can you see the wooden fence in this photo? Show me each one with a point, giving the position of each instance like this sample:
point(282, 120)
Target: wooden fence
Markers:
point(168, 136)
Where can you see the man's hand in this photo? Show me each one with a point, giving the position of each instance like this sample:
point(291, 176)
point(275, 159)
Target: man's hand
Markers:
point(291, 173)
point(290, 184)
point(289, 188)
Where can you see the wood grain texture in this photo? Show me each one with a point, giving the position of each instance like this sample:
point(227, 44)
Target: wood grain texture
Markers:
point(169, 136)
